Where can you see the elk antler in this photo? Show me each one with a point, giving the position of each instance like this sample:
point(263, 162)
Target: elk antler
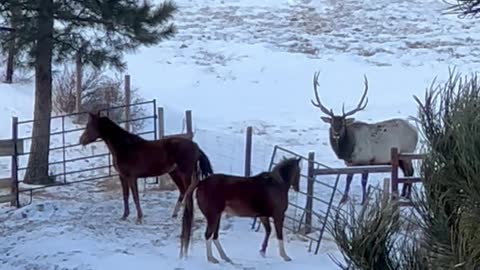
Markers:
point(359, 106)
point(319, 103)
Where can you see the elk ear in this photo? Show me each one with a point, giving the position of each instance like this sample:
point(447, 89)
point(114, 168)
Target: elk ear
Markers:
point(349, 121)
point(327, 120)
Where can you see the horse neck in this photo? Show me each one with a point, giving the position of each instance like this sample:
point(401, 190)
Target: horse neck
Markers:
point(283, 181)
point(344, 146)
point(116, 137)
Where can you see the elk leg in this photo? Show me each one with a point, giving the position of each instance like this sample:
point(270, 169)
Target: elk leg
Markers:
point(268, 230)
point(125, 191)
point(278, 222)
point(134, 187)
point(364, 187)
point(347, 188)
point(407, 169)
point(219, 247)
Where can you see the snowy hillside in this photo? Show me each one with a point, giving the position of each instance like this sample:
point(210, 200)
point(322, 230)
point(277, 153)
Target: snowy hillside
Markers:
point(237, 64)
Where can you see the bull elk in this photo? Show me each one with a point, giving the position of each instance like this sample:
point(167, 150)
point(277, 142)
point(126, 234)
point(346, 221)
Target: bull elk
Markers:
point(358, 143)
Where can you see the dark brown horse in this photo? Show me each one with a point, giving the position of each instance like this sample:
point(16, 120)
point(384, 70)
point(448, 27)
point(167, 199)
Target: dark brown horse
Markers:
point(264, 195)
point(135, 157)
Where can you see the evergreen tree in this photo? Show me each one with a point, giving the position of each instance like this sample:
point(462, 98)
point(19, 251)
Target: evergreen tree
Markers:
point(465, 7)
point(54, 30)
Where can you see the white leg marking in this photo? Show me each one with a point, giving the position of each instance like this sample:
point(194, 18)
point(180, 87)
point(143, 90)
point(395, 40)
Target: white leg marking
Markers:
point(281, 249)
point(223, 255)
point(210, 257)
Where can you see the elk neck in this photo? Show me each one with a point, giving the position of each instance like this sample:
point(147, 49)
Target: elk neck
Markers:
point(344, 145)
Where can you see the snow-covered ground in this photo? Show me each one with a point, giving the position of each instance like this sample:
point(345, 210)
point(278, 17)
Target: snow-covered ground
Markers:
point(237, 64)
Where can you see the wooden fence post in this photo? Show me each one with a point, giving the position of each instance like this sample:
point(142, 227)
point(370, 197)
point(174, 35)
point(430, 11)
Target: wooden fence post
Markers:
point(310, 181)
point(127, 102)
point(14, 189)
point(248, 152)
point(78, 81)
point(188, 120)
point(161, 122)
point(395, 163)
point(386, 191)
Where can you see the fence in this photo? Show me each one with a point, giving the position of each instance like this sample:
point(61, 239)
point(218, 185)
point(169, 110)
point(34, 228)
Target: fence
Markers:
point(319, 203)
point(299, 219)
point(10, 148)
point(69, 162)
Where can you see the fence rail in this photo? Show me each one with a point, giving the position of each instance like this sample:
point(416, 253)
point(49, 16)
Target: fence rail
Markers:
point(321, 208)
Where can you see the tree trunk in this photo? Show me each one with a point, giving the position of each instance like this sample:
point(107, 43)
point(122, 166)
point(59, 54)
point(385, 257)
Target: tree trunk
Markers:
point(37, 171)
point(10, 60)
point(12, 46)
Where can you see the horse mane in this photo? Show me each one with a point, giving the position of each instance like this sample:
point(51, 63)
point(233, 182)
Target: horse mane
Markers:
point(282, 172)
point(115, 131)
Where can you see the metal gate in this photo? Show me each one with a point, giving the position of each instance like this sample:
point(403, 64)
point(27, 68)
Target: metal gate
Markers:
point(69, 162)
point(307, 215)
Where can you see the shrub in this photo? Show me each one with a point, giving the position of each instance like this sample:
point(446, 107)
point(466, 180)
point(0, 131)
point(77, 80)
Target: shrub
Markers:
point(99, 92)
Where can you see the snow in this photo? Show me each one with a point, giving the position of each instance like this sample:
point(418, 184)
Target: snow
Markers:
point(237, 64)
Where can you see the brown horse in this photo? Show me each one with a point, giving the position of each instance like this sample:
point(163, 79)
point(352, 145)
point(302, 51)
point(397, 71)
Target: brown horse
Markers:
point(264, 195)
point(135, 157)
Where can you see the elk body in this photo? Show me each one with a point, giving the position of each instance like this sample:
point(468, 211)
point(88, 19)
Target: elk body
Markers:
point(358, 143)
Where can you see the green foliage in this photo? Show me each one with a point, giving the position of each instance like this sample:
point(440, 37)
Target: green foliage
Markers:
point(101, 30)
point(449, 117)
point(372, 237)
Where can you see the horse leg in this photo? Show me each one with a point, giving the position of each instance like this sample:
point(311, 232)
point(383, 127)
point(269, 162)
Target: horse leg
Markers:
point(364, 187)
point(220, 250)
point(268, 229)
point(278, 221)
point(177, 178)
point(125, 191)
point(134, 187)
point(212, 221)
point(347, 188)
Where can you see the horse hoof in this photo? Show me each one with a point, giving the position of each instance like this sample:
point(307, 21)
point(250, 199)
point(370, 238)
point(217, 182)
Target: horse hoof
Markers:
point(123, 218)
point(139, 221)
point(287, 259)
point(174, 215)
point(227, 260)
point(213, 260)
point(344, 199)
point(262, 253)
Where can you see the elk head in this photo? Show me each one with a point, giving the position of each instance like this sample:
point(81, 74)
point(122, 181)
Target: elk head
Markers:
point(338, 123)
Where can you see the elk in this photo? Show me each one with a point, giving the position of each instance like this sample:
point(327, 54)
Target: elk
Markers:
point(358, 143)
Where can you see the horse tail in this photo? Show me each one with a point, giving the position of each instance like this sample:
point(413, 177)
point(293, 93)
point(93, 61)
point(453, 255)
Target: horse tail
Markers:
point(187, 222)
point(205, 167)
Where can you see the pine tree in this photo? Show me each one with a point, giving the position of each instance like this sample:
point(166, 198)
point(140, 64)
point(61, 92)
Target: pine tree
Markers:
point(465, 7)
point(53, 31)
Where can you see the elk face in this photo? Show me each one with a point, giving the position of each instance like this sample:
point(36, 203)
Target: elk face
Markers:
point(338, 123)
